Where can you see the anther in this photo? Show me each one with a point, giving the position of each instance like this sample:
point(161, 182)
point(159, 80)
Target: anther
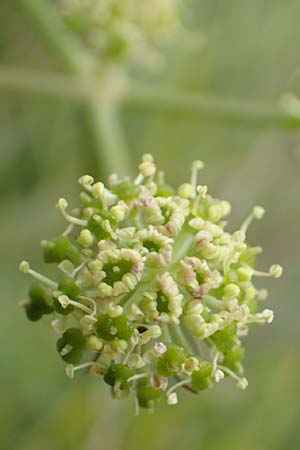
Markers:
point(70, 369)
point(257, 213)
point(65, 301)
point(196, 167)
point(62, 205)
point(25, 268)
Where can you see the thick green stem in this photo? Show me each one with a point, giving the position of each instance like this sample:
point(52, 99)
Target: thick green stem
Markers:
point(108, 137)
point(15, 79)
point(46, 19)
point(210, 108)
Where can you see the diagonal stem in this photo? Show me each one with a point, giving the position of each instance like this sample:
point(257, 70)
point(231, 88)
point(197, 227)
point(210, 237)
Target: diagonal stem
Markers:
point(46, 19)
point(108, 139)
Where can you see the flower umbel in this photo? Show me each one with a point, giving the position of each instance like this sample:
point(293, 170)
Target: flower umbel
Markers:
point(144, 272)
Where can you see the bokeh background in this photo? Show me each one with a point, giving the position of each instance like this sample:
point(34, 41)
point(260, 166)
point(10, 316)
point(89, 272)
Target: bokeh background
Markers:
point(250, 50)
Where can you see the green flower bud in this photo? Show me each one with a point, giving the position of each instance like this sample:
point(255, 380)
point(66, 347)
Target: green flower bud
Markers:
point(117, 376)
point(71, 345)
point(169, 364)
point(68, 286)
point(110, 328)
point(226, 339)
point(39, 303)
point(233, 358)
point(201, 378)
point(147, 395)
point(59, 249)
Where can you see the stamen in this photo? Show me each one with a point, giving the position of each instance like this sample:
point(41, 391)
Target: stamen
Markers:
point(138, 376)
point(257, 213)
point(172, 399)
point(196, 167)
point(86, 181)
point(77, 269)
point(25, 268)
point(62, 205)
point(70, 369)
point(88, 299)
point(219, 375)
point(133, 343)
point(186, 190)
point(176, 386)
point(202, 190)
point(65, 302)
point(275, 271)
point(97, 189)
point(147, 168)
point(215, 362)
point(242, 383)
point(68, 230)
point(137, 406)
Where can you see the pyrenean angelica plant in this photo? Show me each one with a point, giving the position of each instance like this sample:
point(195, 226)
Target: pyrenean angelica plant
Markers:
point(152, 293)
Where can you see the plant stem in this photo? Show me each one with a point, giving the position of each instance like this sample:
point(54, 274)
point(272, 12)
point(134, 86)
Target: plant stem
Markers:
point(107, 133)
point(110, 149)
point(179, 338)
point(45, 17)
point(14, 79)
point(205, 107)
point(209, 108)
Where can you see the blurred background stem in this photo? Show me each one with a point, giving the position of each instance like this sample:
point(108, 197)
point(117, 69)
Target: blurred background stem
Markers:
point(45, 18)
point(109, 143)
point(207, 107)
point(146, 98)
point(107, 135)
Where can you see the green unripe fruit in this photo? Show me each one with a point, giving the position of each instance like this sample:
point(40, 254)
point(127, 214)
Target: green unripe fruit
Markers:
point(68, 286)
point(73, 255)
point(169, 364)
point(115, 272)
point(61, 248)
point(55, 250)
point(226, 339)
point(94, 226)
point(233, 358)
point(147, 394)
point(162, 303)
point(117, 376)
point(201, 378)
point(39, 303)
point(71, 345)
point(109, 328)
point(125, 190)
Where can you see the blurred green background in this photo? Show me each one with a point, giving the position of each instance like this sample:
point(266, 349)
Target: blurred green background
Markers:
point(250, 50)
